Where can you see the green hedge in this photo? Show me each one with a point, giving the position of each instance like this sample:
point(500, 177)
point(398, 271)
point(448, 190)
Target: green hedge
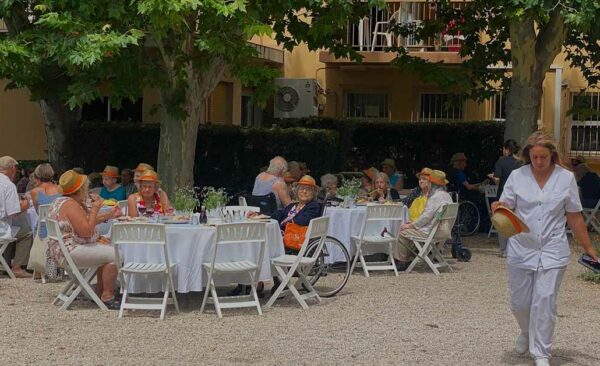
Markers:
point(412, 145)
point(230, 156)
point(226, 156)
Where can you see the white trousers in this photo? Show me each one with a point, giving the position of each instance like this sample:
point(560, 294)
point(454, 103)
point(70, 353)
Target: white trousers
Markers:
point(533, 297)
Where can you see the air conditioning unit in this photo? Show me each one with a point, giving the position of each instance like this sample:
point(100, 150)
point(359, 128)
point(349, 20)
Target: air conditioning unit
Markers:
point(296, 98)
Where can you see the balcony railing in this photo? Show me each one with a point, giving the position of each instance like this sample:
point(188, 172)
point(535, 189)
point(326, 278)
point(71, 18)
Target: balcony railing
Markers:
point(373, 32)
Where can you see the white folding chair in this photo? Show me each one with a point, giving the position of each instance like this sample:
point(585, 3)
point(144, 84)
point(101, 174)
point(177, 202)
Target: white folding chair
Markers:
point(383, 29)
point(42, 216)
point(250, 234)
point(591, 217)
point(242, 210)
point(286, 265)
point(123, 205)
point(429, 247)
point(79, 278)
point(377, 214)
point(491, 192)
point(4, 243)
point(242, 201)
point(149, 235)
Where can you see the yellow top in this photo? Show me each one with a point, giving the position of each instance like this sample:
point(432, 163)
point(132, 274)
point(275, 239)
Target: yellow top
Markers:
point(416, 208)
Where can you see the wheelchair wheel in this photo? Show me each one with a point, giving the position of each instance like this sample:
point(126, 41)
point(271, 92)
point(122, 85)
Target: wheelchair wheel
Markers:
point(463, 255)
point(469, 218)
point(329, 278)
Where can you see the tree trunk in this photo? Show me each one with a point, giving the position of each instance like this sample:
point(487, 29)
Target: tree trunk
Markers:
point(178, 136)
point(523, 109)
point(59, 121)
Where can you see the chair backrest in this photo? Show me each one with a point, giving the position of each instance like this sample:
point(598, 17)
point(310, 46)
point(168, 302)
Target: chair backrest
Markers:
point(42, 216)
point(242, 210)
point(491, 192)
point(446, 214)
point(242, 201)
point(266, 203)
point(381, 212)
point(139, 234)
point(247, 233)
point(54, 233)
point(317, 229)
point(124, 205)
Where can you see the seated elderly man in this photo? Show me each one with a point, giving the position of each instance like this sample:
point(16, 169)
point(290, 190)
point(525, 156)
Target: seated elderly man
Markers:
point(328, 191)
point(271, 181)
point(388, 166)
point(112, 189)
point(11, 207)
point(436, 198)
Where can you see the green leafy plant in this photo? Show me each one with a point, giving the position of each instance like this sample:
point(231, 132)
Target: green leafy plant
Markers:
point(213, 198)
point(185, 199)
point(349, 188)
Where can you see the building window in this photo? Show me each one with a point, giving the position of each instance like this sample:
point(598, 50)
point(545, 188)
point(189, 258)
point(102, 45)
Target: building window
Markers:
point(101, 109)
point(499, 106)
point(585, 126)
point(367, 105)
point(438, 106)
point(252, 114)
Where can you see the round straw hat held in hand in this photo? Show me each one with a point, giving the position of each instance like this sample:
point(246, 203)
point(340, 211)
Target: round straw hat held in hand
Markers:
point(507, 223)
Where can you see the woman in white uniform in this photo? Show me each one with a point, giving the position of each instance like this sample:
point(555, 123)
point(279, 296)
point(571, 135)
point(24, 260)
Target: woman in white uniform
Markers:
point(545, 196)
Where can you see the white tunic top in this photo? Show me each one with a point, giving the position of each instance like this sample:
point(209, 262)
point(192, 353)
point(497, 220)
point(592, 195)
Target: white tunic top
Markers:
point(544, 212)
point(9, 205)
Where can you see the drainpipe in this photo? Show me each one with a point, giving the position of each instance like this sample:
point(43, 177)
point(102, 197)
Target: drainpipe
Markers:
point(557, 101)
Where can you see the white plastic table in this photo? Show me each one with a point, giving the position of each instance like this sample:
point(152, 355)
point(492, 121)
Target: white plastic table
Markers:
point(189, 247)
point(345, 222)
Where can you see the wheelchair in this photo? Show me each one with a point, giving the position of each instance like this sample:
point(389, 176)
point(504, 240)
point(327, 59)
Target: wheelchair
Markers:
point(467, 221)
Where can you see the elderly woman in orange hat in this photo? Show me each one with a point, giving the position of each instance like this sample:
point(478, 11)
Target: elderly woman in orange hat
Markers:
point(418, 203)
point(139, 171)
point(421, 227)
point(78, 228)
point(112, 189)
point(150, 199)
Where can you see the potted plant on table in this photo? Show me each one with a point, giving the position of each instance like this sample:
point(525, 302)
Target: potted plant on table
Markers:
point(349, 191)
point(185, 201)
point(214, 200)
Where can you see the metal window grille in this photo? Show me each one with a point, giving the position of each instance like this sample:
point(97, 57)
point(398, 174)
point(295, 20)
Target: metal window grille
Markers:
point(439, 107)
point(585, 124)
point(367, 105)
point(499, 107)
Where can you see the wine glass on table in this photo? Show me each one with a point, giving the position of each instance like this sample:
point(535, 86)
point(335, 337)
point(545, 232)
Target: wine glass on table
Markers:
point(142, 210)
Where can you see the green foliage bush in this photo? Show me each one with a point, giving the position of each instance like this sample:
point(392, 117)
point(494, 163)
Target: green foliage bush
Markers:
point(231, 156)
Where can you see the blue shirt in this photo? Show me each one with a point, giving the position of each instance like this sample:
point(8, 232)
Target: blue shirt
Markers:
point(118, 194)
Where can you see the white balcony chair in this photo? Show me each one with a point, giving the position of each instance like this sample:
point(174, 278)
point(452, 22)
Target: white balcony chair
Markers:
point(242, 210)
point(79, 278)
point(382, 29)
point(590, 216)
point(382, 214)
point(42, 217)
point(429, 247)
point(252, 234)
point(4, 243)
point(286, 265)
point(490, 192)
point(149, 235)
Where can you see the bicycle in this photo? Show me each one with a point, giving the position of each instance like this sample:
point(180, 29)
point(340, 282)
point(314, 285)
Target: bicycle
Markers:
point(329, 278)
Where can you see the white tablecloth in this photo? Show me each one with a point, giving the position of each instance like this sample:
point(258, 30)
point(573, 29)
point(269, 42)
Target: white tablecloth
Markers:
point(345, 222)
point(189, 247)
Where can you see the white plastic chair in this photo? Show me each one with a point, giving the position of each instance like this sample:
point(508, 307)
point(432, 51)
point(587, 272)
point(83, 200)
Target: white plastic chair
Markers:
point(286, 265)
point(42, 216)
point(382, 214)
point(4, 243)
point(123, 205)
point(242, 201)
point(428, 247)
point(242, 210)
point(79, 278)
point(251, 233)
point(150, 235)
point(383, 29)
point(591, 217)
point(491, 192)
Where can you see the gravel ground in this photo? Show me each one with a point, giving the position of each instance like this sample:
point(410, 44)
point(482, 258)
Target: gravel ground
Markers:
point(417, 319)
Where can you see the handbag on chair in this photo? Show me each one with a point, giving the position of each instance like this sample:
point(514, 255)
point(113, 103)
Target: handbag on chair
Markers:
point(293, 236)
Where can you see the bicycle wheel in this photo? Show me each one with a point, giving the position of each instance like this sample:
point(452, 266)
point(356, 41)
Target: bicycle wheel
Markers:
point(329, 278)
point(469, 218)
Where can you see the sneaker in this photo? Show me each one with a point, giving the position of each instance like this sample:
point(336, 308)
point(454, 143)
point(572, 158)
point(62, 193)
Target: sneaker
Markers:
point(112, 304)
point(542, 362)
point(522, 344)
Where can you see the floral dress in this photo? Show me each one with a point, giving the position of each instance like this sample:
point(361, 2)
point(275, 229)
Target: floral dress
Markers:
point(70, 238)
point(139, 203)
